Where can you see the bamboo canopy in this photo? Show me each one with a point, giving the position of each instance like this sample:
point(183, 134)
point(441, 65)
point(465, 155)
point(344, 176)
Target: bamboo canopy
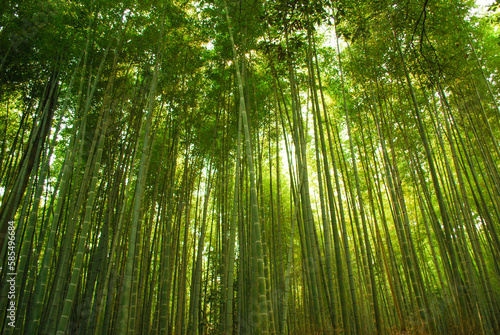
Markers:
point(249, 167)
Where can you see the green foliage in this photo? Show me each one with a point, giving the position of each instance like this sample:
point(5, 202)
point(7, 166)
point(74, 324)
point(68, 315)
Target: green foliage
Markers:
point(109, 226)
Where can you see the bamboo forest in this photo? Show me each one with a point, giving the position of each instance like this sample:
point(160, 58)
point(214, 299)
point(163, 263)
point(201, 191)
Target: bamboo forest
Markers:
point(249, 167)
